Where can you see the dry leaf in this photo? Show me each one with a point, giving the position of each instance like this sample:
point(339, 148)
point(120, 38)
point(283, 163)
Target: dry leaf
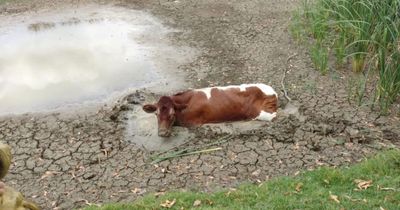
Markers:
point(48, 174)
point(299, 186)
point(209, 202)
point(136, 190)
point(351, 199)
point(197, 203)
point(334, 198)
point(381, 208)
point(256, 172)
point(387, 189)
point(363, 185)
point(88, 203)
point(168, 204)
point(159, 194)
point(230, 191)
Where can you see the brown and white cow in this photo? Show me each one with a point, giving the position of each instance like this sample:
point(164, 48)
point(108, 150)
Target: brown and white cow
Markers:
point(214, 105)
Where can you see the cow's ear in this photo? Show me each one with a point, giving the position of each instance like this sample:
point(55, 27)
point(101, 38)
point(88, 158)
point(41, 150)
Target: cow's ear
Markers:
point(149, 108)
point(180, 107)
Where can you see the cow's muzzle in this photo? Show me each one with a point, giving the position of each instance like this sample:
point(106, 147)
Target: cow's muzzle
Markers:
point(164, 132)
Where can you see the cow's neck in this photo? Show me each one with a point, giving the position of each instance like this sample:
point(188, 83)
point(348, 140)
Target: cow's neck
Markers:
point(181, 98)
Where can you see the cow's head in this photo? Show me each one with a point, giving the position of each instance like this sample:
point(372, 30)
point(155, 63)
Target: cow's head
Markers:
point(165, 110)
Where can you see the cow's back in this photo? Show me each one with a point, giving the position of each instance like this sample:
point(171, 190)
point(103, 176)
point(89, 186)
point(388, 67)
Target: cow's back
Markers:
point(231, 103)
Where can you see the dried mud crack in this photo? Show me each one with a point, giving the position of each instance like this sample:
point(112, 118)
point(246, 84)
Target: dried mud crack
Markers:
point(66, 160)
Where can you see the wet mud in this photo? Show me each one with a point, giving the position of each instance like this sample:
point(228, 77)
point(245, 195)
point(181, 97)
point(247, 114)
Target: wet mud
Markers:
point(65, 160)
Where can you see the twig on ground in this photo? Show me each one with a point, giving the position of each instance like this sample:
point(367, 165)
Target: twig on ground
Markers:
point(189, 151)
point(219, 141)
point(284, 76)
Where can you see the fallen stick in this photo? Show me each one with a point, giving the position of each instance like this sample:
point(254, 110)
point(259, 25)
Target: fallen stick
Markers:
point(188, 150)
point(284, 76)
point(167, 157)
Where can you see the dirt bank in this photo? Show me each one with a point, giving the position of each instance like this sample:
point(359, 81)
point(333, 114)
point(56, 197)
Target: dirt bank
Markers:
point(67, 160)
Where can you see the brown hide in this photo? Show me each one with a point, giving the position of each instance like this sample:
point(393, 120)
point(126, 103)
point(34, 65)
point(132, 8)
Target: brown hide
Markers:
point(224, 105)
point(192, 107)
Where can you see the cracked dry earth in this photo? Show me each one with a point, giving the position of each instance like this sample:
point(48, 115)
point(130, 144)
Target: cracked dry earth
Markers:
point(66, 160)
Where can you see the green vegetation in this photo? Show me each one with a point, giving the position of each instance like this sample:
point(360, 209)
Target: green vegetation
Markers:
point(362, 35)
point(372, 184)
point(14, 1)
point(4, 1)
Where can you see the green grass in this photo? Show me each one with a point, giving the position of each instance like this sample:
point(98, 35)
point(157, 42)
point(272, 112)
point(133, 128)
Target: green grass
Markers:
point(363, 35)
point(4, 1)
point(315, 190)
point(319, 56)
point(13, 1)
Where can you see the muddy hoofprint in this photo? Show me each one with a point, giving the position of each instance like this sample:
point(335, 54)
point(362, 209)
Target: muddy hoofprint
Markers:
point(214, 105)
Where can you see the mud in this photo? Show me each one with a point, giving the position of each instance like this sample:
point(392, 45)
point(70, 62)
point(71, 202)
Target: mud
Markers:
point(142, 131)
point(69, 160)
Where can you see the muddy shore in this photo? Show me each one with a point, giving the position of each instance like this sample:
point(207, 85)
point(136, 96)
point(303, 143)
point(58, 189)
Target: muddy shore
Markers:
point(65, 160)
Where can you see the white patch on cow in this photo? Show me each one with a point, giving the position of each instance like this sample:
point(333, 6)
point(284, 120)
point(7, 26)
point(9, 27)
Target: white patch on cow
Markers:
point(266, 89)
point(206, 91)
point(265, 116)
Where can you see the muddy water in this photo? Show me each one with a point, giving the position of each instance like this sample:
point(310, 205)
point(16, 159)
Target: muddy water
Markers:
point(73, 57)
point(142, 131)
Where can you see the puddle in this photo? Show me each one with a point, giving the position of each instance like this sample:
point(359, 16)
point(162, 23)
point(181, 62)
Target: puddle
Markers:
point(142, 130)
point(81, 56)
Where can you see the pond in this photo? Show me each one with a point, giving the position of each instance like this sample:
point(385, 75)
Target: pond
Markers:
point(81, 56)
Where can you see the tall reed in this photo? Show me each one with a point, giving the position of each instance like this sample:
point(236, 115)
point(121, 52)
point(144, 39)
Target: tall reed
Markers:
point(364, 33)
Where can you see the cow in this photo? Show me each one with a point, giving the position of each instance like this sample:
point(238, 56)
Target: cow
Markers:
point(195, 107)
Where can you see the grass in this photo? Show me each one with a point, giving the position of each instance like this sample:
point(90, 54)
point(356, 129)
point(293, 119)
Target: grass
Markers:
point(324, 188)
point(319, 56)
point(12, 1)
point(363, 35)
point(4, 1)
